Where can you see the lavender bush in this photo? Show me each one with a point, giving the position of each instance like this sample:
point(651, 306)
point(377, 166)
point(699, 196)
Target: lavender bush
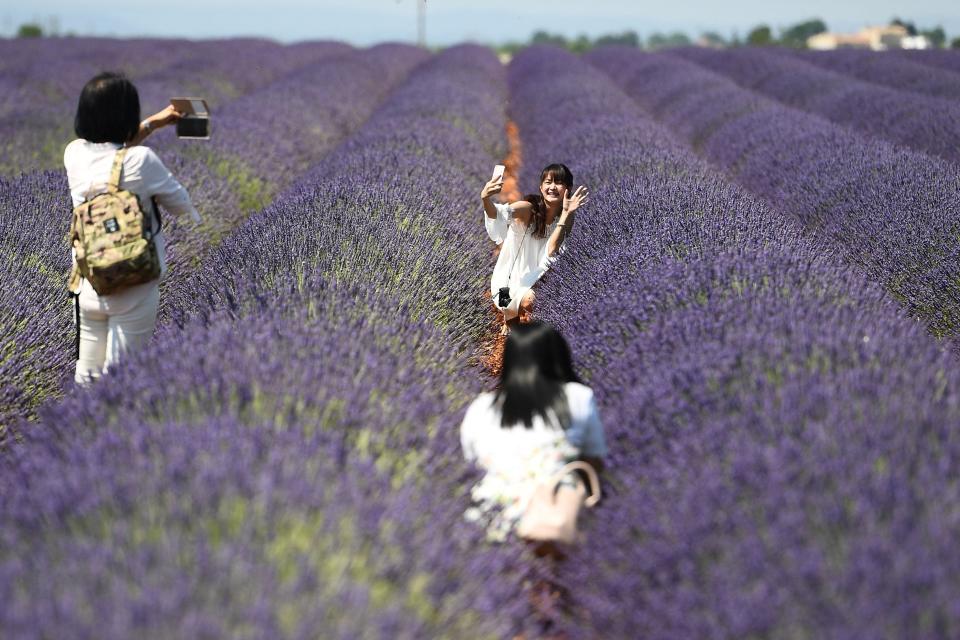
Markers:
point(890, 69)
point(283, 462)
point(36, 111)
point(929, 125)
point(891, 212)
point(940, 58)
point(266, 139)
point(51, 71)
point(43, 82)
point(36, 326)
point(782, 438)
point(227, 179)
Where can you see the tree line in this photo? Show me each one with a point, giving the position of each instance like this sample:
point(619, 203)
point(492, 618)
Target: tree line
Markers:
point(761, 35)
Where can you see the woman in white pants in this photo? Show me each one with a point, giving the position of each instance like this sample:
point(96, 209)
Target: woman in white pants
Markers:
point(107, 120)
point(530, 233)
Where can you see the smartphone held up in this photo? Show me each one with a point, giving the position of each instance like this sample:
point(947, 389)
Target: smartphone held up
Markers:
point(498, 172)
point(194, 124)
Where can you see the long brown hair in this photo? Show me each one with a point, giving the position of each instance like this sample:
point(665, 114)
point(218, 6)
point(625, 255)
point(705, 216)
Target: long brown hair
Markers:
point(560, 173)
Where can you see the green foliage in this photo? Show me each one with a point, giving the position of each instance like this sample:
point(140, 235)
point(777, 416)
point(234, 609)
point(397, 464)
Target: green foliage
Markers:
point(713, 39)
point(761, 35)
point(667, 40)
point(936, 35)
point(542, 37)
point(909, 26)
point(796, 36)
point(30, 30)
point(628, 38)
point(580, 44)
point(955, 43)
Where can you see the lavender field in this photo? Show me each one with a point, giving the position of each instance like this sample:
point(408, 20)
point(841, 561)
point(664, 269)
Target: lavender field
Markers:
point(764, 291)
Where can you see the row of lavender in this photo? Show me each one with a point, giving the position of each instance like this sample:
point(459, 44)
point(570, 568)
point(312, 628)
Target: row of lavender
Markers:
point(266, 139)
point(783, 441)
point(284, 461)
point(927, 124)
point(248, 161)
point(891, 212)
point(897, 70)
point(42, 79)
point(939, 58)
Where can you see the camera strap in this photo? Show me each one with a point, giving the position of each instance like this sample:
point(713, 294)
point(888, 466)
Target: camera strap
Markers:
point(517, 256)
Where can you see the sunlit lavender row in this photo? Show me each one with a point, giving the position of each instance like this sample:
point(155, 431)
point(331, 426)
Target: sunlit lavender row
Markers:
point(284, 461)
point(943, 59)
point(41, 81)
point(266, 139)
point(889, 211)
point(894, 70)
point(756, 293)
point(926, 124)
point(783, 439)
point(248, 161)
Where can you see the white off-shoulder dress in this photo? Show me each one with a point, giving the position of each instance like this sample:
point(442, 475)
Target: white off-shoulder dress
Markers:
point(515, 459)
point(523, 258)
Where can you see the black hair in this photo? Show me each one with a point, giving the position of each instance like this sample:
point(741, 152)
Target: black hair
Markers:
point(536, 364)
point(560, 173)
point(108, 109)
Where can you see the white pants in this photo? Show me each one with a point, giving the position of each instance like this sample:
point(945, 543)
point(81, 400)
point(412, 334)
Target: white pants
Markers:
point(113, 325)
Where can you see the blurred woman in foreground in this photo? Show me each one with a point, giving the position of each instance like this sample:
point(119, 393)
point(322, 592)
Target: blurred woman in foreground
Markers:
point(540, 417)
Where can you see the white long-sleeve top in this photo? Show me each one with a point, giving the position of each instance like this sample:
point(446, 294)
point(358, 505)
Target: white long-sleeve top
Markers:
point(88, 167)
point(517, 272)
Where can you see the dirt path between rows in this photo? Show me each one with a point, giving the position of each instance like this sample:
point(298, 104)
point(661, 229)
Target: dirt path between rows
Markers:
point(491, 348)
point(546, 596)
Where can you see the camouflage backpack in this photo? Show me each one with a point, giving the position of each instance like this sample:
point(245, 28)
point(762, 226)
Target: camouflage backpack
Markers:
point(112, 239)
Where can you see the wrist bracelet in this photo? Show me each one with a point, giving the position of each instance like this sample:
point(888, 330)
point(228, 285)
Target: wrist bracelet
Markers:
point(147, 126)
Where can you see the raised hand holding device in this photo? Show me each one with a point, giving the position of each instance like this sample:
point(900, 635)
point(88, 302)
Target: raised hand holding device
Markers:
point(194, 122)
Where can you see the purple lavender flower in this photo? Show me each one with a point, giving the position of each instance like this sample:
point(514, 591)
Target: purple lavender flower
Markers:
point(890, 69)
point(887, 211)
point(247, 162)
point(927, 124)
point(779, 430)
point(281, 461)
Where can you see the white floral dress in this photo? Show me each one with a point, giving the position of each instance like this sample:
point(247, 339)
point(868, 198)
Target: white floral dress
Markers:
point(517, 458)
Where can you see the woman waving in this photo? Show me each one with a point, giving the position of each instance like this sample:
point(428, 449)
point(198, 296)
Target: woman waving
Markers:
point(531, 233)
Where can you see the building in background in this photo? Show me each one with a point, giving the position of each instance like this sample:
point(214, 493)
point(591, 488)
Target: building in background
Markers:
point(876, 38)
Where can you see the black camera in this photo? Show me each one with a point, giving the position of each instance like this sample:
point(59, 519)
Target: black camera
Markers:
point(193, 127)
point(194, 122)
point(503, 297)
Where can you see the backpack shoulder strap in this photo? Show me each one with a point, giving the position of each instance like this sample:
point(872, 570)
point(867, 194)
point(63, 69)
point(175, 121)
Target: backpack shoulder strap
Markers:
point(156, 213)
point(73, 281)
point(117, 170)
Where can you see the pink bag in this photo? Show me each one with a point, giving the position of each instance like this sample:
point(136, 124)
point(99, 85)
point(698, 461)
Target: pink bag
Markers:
point(553, 509)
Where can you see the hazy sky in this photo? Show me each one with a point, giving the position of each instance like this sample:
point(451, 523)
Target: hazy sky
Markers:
point(367, 21)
